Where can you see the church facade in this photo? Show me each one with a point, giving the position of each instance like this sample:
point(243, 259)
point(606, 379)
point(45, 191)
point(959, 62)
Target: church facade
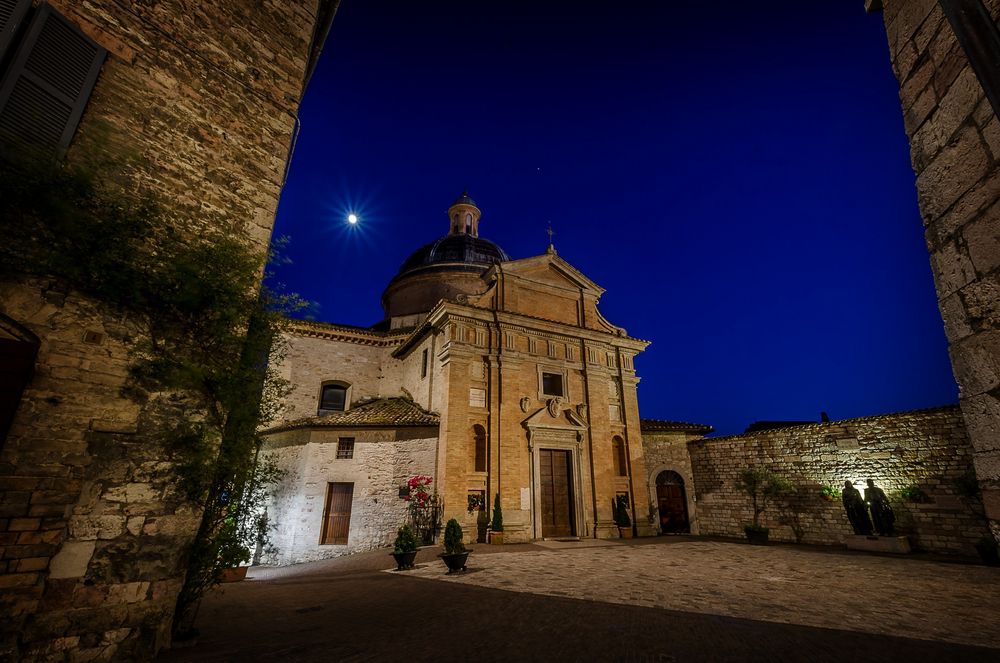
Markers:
point(492, 376)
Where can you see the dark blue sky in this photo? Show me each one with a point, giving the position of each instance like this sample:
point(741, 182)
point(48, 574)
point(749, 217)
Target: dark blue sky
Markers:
point(735, 174)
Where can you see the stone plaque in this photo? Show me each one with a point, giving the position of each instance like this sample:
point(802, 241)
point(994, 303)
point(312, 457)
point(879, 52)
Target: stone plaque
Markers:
point(525, 499)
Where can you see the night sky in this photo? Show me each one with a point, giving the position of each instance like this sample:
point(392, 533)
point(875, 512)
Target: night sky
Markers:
point(735, 174)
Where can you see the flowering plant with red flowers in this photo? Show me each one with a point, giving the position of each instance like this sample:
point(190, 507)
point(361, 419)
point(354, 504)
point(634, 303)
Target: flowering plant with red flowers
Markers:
point(425, 507)
point(419, 490)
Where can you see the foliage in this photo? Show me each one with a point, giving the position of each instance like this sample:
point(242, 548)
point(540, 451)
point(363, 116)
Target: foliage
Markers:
point(914, 493)
point(406, 540)
point(753, 528)
point(497, 523)
point(762, 485)
point(424, 508)
point(793, 505)
point(829, 493)
point(967, 485)
point(453, 538)
point(203, 335)
point(622, 518)
point(475, 502)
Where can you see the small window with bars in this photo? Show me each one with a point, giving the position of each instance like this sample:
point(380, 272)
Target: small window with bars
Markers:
point(345, 448)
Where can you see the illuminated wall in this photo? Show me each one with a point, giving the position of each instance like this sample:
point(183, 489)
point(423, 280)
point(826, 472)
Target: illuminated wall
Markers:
point(925, 449)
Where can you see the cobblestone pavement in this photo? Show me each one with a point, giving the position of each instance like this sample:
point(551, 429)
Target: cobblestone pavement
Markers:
point(656, 600)
point(875, 594)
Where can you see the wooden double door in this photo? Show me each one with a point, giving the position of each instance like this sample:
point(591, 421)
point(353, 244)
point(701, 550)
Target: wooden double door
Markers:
point(556, 486)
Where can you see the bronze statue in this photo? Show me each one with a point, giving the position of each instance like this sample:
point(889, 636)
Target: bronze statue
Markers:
point(882, 515)
point(857, 512)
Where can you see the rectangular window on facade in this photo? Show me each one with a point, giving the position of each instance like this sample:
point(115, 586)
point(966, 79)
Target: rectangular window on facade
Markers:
point(345, 447)
point(337, 514)
point(552, 384)
point(477, 397)
point(49, 80)
point(333, 398)
point(423, 364)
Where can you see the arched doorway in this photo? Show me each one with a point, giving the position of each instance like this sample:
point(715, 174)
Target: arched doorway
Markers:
point(671, 499)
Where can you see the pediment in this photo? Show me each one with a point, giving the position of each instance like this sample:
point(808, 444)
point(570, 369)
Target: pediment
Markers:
point(549, 269)
point(565, 419)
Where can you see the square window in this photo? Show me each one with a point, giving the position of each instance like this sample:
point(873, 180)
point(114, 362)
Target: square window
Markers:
point(552, 384)
point(345, 448)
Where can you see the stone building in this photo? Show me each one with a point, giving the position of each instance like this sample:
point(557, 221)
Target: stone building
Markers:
point(943, 54)
point(516, 381)
point(195, 103)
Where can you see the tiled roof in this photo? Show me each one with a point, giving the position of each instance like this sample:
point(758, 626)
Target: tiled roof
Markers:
point(381, 412)
point(652, 425)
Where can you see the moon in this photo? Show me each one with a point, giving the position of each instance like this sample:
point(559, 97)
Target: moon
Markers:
point(352, 218)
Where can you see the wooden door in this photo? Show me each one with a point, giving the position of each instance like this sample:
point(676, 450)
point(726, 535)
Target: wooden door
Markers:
point(557, 493)
point(337, 515)
point(673, 508)
point(17, 361)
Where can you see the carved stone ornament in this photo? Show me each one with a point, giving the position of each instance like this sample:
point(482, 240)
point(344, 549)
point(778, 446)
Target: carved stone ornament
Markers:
point(553, 406)
point(581, 410)
point(525, 402)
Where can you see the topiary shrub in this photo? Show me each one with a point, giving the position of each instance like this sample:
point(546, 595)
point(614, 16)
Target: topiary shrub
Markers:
point(453, 538)
point(621, 511)
point(497, 524)
point(406, 540)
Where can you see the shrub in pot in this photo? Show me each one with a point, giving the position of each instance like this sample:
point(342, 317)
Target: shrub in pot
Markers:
point(455, 553)
point(496, 525)
point(404, 549)
point(622, 519)
point(762, 485)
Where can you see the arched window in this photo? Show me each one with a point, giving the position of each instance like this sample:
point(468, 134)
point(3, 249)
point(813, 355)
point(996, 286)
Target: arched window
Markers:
point(479, 434)
point(618, 453)
point(468, 224)
point(333, 397)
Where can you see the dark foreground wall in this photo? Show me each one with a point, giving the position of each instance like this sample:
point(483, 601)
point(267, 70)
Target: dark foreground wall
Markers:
point(929, 449)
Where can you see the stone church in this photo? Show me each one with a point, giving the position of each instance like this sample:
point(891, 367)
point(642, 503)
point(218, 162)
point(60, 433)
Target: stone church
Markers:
point(489, 374)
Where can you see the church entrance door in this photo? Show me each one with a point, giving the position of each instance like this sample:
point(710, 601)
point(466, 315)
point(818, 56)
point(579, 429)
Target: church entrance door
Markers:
point(672, 502)
point(556, 493)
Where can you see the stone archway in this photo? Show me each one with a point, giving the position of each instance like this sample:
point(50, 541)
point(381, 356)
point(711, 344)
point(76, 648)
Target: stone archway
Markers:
point(671, 503)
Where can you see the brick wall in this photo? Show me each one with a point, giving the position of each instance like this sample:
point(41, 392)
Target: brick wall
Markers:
point(197, 104)
point(955, 144)
point(926, 448)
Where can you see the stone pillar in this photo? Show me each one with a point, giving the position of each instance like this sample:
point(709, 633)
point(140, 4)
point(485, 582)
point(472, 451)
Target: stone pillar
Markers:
point(955, 143)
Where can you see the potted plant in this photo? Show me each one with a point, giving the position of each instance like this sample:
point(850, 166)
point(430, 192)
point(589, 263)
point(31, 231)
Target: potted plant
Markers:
point(496, 525)
point(829, 493)
point(622, 518)
point(404, 549)
point(761, 484)
point(455, 553)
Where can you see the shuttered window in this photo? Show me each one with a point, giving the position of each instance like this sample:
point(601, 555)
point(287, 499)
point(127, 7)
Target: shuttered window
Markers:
point(48, 83)
point(12, 13)
point(337, 515)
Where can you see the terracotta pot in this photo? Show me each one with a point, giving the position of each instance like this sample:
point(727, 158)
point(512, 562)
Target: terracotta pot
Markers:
point(496, 538)
point(234, 574)
point(625, 532)
point(404, 560)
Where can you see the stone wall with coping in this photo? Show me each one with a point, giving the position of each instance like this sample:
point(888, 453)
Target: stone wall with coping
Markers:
point(383, 460)
point(196, 103)
point(955, 146)
point(925, 448)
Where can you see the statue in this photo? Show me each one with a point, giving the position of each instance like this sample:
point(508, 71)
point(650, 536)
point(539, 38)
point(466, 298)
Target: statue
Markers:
point(882, 515)
point(857, 511)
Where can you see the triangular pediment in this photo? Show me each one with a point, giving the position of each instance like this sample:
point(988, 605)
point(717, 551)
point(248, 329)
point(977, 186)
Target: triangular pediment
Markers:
point(549, 269)
point(565, 418)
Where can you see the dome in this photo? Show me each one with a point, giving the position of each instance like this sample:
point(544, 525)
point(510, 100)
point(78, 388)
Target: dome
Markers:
point(464, 200)
point(476, 252)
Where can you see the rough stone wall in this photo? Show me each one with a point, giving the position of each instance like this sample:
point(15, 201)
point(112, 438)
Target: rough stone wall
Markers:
point(311, 361)
point(383, 460)
point(925, 448)
point(667, 450)
point(195, 103)
point(955, 144)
